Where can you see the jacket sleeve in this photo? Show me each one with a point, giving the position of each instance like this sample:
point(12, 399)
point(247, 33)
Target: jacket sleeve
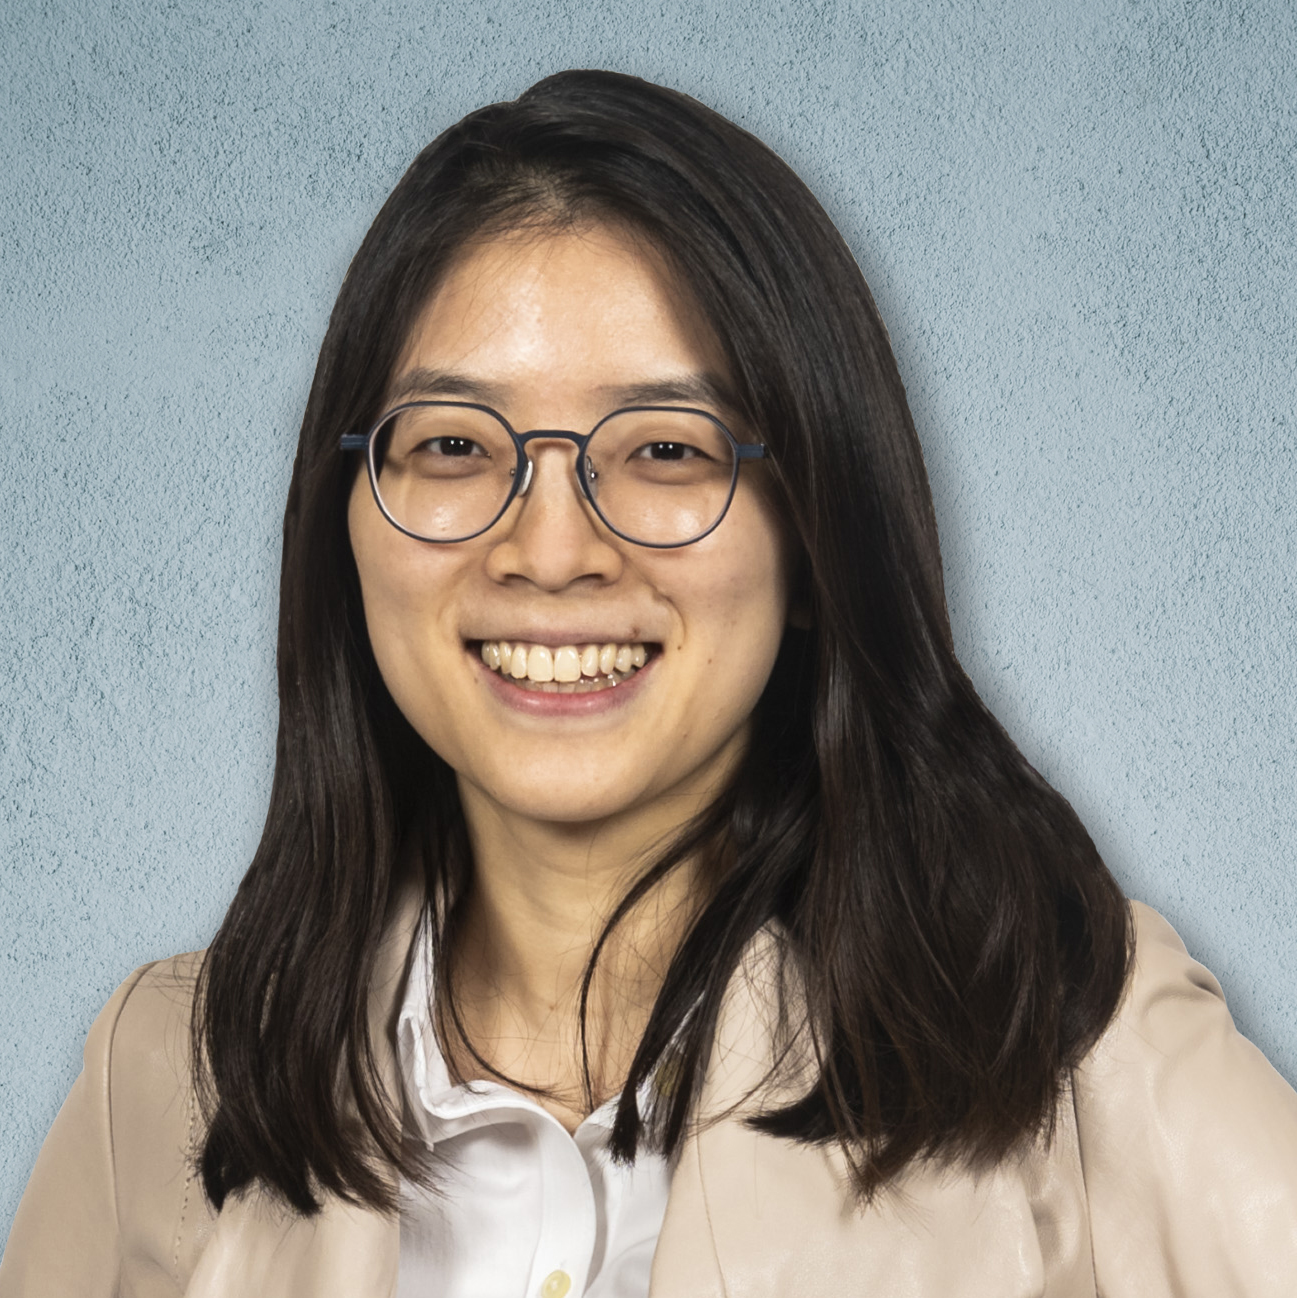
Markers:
point(1188, 1141)
point(65, 1240)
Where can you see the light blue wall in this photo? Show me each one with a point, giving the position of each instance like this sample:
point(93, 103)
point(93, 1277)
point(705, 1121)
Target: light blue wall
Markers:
point(1078, 219)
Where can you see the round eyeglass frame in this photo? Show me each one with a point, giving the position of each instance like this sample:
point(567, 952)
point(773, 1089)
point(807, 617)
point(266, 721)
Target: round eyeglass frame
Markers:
point(522, 471)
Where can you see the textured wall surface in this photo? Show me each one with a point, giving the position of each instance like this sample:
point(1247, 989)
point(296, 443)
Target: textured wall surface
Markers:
point(1078, 221)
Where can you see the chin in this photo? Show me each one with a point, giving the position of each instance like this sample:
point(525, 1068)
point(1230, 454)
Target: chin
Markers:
point(542, 805)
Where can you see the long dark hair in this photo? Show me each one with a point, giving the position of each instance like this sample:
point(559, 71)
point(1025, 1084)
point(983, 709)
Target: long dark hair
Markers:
point(957, 942)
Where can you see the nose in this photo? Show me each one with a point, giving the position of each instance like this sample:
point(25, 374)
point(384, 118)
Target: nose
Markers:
point(550, 537)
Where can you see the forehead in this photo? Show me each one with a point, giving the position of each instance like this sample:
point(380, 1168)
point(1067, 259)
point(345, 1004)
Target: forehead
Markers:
point(594, 307)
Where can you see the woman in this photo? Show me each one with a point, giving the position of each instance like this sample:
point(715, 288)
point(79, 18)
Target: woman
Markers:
point(647, 903)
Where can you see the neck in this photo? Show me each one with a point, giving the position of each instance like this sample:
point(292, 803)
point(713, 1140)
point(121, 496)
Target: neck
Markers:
point(542, 894)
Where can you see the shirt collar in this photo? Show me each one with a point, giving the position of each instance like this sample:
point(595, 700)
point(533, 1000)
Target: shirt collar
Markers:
point(440, 1106)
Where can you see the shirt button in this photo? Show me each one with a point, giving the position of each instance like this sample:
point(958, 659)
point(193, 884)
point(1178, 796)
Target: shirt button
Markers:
point(555, 1285)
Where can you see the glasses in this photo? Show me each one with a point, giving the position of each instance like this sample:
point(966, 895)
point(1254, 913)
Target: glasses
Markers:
point(658, 476)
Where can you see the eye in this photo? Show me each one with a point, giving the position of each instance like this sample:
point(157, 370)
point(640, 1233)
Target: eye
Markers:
point(452, 447)
point(667, 451)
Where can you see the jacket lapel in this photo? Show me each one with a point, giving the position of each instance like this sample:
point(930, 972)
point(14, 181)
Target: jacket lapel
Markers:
point(752, 1216)
point(688, 1261)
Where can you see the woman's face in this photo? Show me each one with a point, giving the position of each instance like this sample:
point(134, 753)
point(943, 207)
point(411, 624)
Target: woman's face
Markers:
point(556, 331)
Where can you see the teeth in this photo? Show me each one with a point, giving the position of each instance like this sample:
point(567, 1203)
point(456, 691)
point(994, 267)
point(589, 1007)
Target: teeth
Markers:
point(567, 664)
point(540, 664)
point(565, 667)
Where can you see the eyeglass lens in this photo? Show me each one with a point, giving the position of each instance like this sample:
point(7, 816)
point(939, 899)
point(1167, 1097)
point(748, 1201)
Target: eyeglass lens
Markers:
point(659, 477)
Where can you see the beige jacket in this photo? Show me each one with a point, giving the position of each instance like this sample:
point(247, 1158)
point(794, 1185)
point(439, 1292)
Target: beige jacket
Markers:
point(1172, 1171)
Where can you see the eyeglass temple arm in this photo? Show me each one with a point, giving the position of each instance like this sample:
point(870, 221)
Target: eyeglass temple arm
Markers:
point(353, 441)
point(744, 450)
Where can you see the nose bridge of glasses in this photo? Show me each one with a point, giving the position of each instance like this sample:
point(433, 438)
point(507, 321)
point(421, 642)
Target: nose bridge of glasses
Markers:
point(543, 435)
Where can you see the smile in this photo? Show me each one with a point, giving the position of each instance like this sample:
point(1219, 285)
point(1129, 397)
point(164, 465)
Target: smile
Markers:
point(565, 669)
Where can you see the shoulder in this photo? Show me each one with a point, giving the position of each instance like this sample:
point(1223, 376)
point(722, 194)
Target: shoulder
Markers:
point(1188, 1136)
point(142, 1045)
point(112, 1196)
point(137, 1050)
point(156, 1118)
point(145, 1031)
point(1168, 989)
point(1173, 1016)
point(145, 1025)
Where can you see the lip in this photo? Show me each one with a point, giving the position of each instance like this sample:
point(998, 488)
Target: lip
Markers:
point(539, 703)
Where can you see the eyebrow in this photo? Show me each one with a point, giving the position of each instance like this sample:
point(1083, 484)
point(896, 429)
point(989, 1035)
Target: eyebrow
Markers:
point(693, 389)
point(697, 389)
point(425, 382)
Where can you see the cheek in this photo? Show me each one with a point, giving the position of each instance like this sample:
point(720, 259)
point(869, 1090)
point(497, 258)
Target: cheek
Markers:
point(384, 589)
point(402, 586)
point(760, 566)
point(741, 605)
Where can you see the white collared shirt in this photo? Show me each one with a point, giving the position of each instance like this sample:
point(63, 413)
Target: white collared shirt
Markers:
point(521, 1209)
